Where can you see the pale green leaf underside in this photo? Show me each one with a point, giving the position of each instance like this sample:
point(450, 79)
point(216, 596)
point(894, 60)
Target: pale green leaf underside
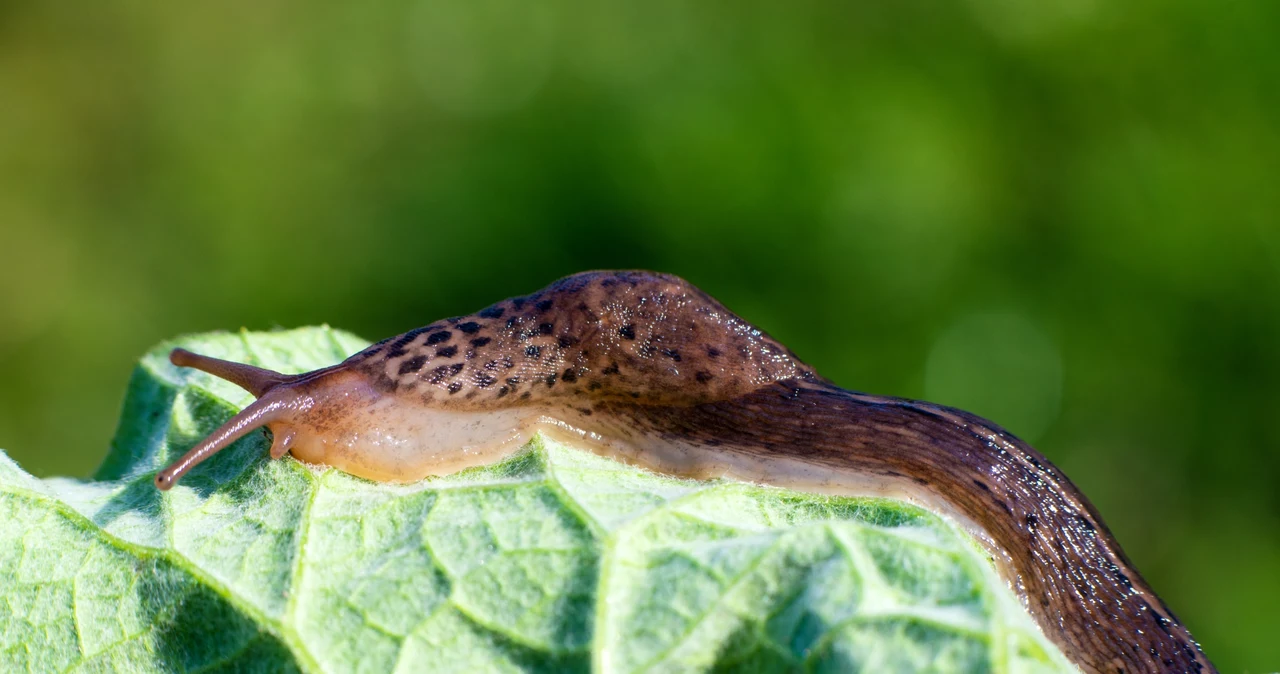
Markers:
point(554, 560)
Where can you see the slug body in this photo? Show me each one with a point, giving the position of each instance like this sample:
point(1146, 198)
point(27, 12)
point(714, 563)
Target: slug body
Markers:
point(649, 369)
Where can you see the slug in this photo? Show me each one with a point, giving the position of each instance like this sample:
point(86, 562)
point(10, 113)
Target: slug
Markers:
point(646, 368)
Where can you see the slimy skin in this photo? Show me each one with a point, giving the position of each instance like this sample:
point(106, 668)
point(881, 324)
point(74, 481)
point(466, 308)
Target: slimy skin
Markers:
point(648, 369)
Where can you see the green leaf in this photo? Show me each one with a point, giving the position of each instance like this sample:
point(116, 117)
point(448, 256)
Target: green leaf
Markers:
point(554, 560)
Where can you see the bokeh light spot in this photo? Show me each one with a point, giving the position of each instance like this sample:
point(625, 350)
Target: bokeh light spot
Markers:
point(482, 57)
point(1032, 22)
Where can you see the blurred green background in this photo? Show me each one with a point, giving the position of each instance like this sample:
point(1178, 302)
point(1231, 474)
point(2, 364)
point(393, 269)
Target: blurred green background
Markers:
point(1061, 215)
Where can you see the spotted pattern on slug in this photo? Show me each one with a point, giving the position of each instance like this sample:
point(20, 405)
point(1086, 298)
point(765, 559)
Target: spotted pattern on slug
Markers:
point(642, 337)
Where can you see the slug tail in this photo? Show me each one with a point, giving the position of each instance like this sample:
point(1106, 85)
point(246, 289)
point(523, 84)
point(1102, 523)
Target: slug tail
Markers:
point(255, 380)
point(256, 415)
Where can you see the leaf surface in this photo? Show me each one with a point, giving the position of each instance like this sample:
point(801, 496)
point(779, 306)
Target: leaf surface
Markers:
point(553, 560)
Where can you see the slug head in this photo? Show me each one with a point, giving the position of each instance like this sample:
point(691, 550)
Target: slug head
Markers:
point(292, 406)
point(334, 416)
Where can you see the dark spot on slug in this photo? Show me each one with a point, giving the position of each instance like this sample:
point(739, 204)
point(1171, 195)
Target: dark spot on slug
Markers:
point(1032, 521)
point(567, 341)
point(502, 391)
point(525, 396)
point(439, 337)
point(408, 337)
point(713, 351)
point(1034, 462)
point(485, 380)
point(413, 364)
point(470, 327)
point(544, 305)
point(444, 372)
point(551, 379)
point(981, 485)
point(594, 386)
point(672, 354)
point(627, 331)
point(569, 376)
point(446, 352)
point(546, 328)
point(455, 387)
point(1162, 621)
point(438, 375)
point(703, 376)
point(480, 341)
point(492, 312)
point(518, 302)
point(1121, 576)
point(611, 369)
point(533, 351)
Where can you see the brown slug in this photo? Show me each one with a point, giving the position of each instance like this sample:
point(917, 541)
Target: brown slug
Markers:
point(649, 369)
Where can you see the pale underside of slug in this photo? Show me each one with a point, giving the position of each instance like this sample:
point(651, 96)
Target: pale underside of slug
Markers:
point(646, 368)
